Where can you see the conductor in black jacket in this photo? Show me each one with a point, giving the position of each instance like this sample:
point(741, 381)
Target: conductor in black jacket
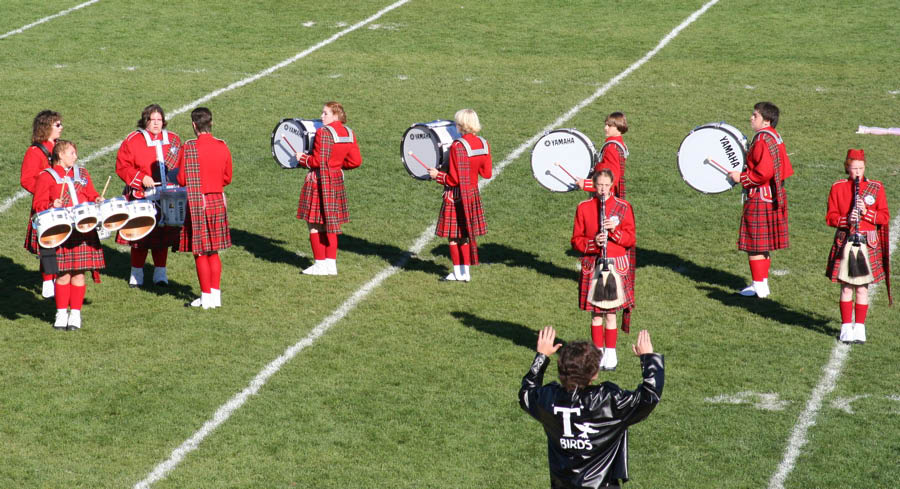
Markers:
point(587, 426)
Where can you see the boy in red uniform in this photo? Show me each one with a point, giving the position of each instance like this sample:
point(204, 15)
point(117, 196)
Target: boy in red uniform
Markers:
point(863, 217)
point(204, 167)
point(613, 154)
point(764, 222)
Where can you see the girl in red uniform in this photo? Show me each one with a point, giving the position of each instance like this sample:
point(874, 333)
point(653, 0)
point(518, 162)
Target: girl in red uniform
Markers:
point(138, 157)
point(618, 236)
point(45, 130)
point(461, 218)
point(613, 154)
point(65, 185)
point(866, 216)
point(323, 200)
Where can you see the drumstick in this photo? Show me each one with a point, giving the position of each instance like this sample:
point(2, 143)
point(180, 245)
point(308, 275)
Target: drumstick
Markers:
point(567, 171)
point(289, 144)
point(63, 189)
point(717, 164)
point(420, 161)
point(105, 186)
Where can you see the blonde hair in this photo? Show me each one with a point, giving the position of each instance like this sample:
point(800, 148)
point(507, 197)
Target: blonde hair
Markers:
point(467, 120)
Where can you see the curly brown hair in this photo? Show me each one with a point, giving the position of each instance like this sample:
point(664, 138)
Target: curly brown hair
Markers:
point(43, 125)
point(577, 364)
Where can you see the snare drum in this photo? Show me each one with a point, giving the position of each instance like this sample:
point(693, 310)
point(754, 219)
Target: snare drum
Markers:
point(430, 142)
point(561, 151)
point(86, 216)
point(53, 226)
point(113, 213)
point(708, 153)
point(292, 136)
point(173, 206)
point(141, 220)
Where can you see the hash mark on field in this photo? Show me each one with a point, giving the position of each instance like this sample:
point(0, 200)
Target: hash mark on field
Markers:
point(403, 77)
point(309, 24)
point(336, 75)
point(340, 24)
point(780, 272)
point(845, 403)
point(767, 401)
point(894, 92)
point(48, 18)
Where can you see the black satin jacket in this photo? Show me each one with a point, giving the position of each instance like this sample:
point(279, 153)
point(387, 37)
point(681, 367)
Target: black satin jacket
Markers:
point(587, 430)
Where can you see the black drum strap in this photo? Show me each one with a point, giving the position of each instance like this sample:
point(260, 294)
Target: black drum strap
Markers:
point(43, 150)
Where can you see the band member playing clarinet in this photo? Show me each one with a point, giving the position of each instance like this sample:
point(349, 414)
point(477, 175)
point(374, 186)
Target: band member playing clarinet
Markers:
point(858, 208)
point(323, 199)
point(67, 185)
point(204, 167)
point(45, 130)
point(461, 217)
point(764, 222)
point(142, 161)
point(604, 242)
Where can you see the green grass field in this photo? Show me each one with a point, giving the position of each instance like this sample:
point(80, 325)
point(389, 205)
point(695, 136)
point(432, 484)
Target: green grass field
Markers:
point(416, 385)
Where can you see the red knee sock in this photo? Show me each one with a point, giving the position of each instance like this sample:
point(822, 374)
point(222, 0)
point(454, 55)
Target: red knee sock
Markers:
point(846, 311)
point(202, 263)
point(160, 257)
point(454, 254)
point(759, 270)
point(597, 336)
point(215, 271)
point(61, 295)
point(611, 335)
point(47, 276)
point(138, 257)
point(76, 298)
point(318, 248)
point(464, 250)
point(861, 310)
point(331, 246)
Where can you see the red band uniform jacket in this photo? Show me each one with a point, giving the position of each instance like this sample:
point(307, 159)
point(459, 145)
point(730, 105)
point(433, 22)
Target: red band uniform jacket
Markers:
point(33, 163)
point(323, 198)
point(764, 222)
point(205, 168)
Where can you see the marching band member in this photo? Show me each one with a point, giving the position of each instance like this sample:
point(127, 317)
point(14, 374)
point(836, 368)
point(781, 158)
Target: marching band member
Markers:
point(864, 215)
point(204, 167)
point(323, 199)
point(45, 130)
point(66, 185)
point(613, 154)
point(142, 152)
point(461, 218)
point(764, 221)
point(617, 237)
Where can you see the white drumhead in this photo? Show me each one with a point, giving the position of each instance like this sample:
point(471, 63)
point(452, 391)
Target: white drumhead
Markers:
point(705, 150)
point(292, 136)
point(430, 142)
point(571, 149)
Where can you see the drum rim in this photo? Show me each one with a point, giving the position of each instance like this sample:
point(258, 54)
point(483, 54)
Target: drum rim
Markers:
point(575, 132)
point(431, 136)
point(709, 125)
point(272, 138)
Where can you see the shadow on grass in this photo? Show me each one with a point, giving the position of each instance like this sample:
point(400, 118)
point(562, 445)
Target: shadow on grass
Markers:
point(118, 265)
point(22, 293)
point(389, 253)
point(513, 257)
point(698, 273)
point(518, 334)
point(268, 249)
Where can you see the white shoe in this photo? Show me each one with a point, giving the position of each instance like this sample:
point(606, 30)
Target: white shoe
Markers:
point(317, 268)
point(859, 333)
point(610, 361)
point(216, 297)
point(159, 275)
point(451, 277)
point(748, 291)
point(330, 266)
point(62, 319)
point(846, 333)
point(464, 275)
point(48, 289)
point(762, 288)
point(137, 277)
point(205, 301)
point(456, 275)
point(74, 320)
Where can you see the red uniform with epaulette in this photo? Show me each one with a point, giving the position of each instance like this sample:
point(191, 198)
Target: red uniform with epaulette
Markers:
point(35, 161)
point(613, 154)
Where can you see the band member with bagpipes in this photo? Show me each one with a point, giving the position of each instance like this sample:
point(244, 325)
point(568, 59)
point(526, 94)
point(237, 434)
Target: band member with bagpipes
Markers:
point(587, 425)
point(461, 217)
point(323, 198)
point(67, 185)
point(612, 155)
point(45, 130)
point(764, 221)
point(204, 167)
point(604, 233)
point(143, 160)
point(860, 255)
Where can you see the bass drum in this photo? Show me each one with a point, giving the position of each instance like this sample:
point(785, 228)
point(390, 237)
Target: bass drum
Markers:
point(561, 156)
point(708, 153)
point(430, 143)
point(292, 136)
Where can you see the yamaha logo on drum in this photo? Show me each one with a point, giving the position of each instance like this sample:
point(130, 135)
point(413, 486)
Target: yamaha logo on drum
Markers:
point(418, 135)
point(730, 153)
point(291, 129)
point(557, 142)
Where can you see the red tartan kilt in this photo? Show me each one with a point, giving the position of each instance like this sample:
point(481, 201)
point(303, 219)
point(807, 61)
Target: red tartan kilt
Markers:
point(332, 211)
point(215, 232)
point(31, 238)
point(584, 284)
point(834, 260)
point(458, 218)
point(80, 252)
point(762, 227)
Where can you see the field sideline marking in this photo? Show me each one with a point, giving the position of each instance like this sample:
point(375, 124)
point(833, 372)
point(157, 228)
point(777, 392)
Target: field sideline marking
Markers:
point(830, 374)
point(238, 84)
point(226, 410)
point(46, 19)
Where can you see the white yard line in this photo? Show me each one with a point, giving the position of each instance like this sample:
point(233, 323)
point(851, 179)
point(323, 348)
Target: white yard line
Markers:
point(47, 19)
point(226, 410)
point(826, 385)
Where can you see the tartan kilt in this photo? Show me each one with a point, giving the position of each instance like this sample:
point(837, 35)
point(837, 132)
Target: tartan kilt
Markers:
point(763, 228)
point(834, 257)
point(460, 218)
point(584, 285)
point(215, 232)
point(31, 237)
point(332, 210)
point(82, 251)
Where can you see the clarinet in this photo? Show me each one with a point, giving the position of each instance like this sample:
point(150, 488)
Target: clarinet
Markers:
point(856, 208)
point(600, 220)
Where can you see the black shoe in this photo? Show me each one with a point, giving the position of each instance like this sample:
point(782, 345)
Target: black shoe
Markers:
point(71, 328)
